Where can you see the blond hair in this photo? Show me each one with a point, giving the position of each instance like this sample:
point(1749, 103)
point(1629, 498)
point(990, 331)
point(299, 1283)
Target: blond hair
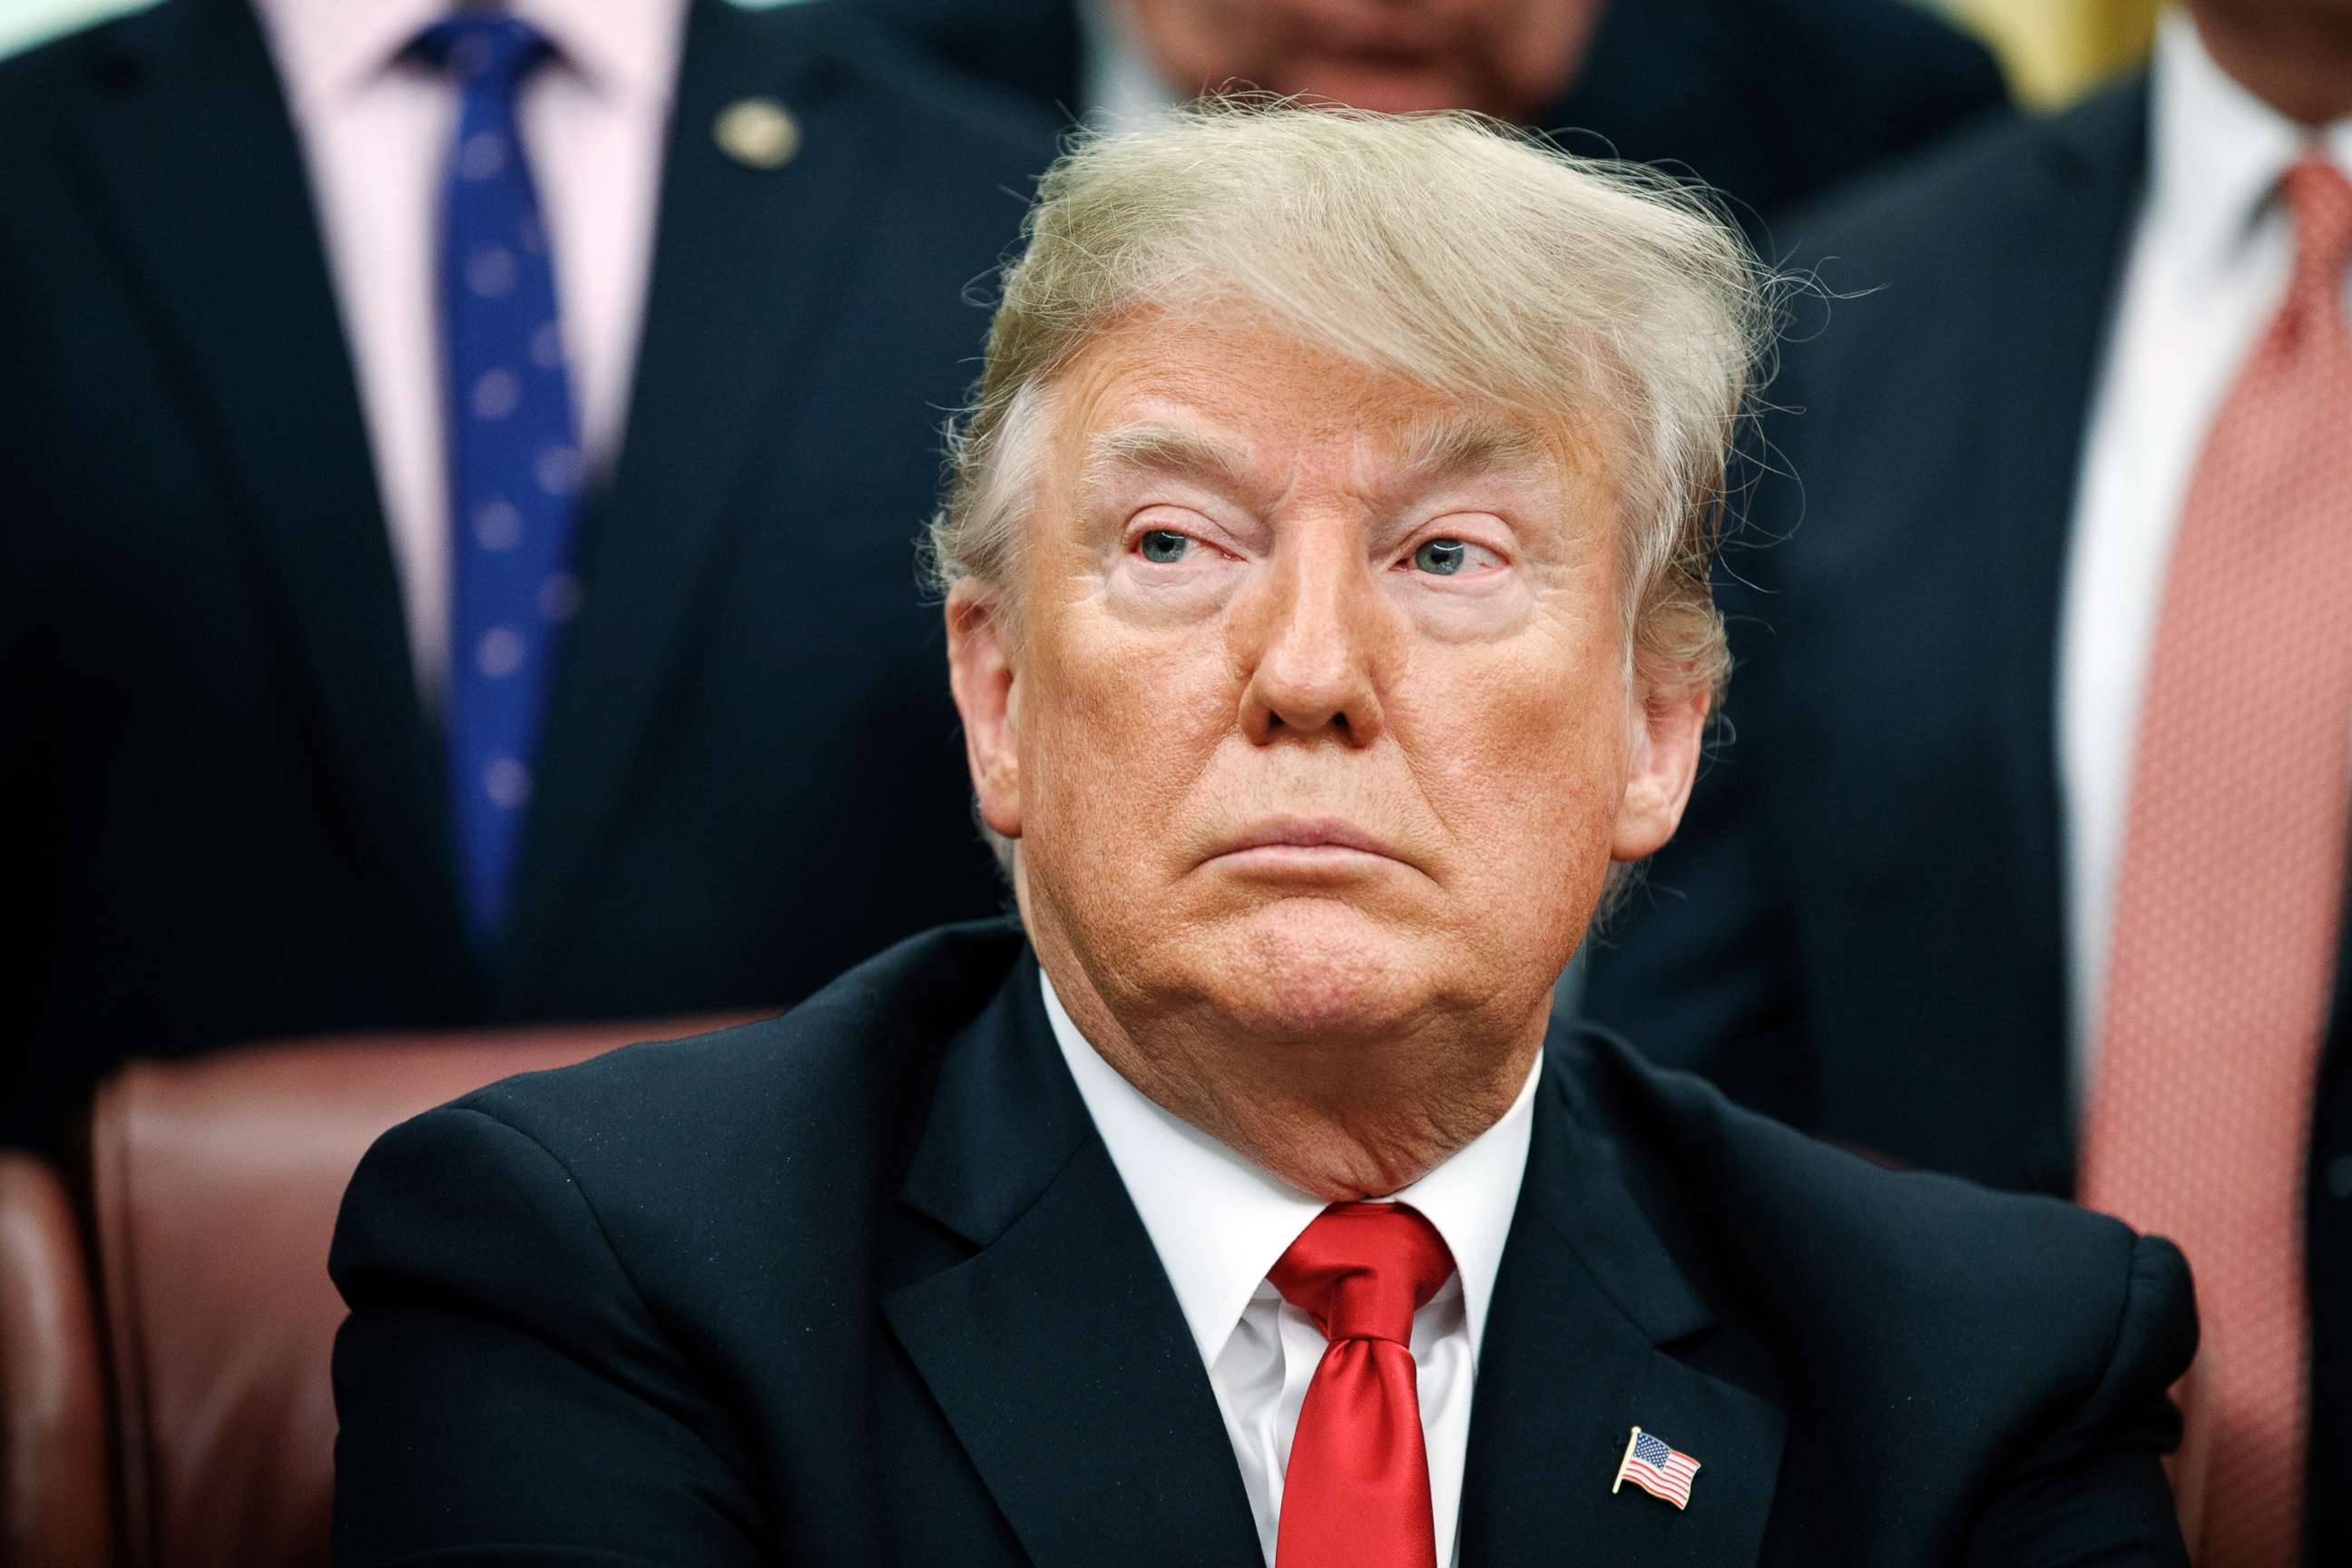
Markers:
point(1454, 252)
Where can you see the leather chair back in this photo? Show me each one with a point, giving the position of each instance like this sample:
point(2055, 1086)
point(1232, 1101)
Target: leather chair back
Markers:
point(214, 1185)
point(54, 1506)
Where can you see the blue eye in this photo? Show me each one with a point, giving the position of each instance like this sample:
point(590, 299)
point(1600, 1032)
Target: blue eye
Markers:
point(1441, 557)
point(1164, 546)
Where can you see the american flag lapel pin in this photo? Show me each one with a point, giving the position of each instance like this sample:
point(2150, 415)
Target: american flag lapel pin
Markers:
point(1657, 1469)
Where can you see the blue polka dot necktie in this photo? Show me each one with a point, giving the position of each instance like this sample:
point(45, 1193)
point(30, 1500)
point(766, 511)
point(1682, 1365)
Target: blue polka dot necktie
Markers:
point(514, 456)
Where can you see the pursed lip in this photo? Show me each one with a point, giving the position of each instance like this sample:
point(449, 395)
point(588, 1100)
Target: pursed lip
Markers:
point(1307, 835)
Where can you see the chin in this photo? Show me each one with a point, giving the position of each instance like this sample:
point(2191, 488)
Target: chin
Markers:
point(1403, 89)
point(1319, 967)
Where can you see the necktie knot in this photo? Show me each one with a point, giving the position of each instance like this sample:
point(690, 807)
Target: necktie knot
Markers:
point(2320, 198)
point(1361, 1270)
point(486, 49)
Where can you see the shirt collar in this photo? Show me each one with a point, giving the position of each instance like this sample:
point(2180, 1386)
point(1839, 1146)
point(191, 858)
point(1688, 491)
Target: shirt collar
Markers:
point(1221, 1223)
point(328, 47)
point(2216, 151)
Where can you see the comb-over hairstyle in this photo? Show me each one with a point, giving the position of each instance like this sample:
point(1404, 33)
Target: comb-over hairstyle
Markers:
point(1458, 253)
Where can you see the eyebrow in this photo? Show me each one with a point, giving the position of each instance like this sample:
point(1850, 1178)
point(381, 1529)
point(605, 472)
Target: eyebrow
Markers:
point(1164, 449)
point(1436, 448)
point(1433, 449)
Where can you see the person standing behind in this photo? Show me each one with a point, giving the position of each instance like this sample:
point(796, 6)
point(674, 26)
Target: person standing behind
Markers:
point(422, 430)
point(1766, 100)
point(2027, 858)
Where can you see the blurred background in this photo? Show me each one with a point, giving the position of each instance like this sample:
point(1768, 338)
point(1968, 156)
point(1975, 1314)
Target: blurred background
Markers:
point(2052, 49)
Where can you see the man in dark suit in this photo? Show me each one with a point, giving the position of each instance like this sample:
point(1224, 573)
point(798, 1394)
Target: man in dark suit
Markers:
point(263, 776)
point(1766, 100)
point(1932, 895)
point(1321, 638)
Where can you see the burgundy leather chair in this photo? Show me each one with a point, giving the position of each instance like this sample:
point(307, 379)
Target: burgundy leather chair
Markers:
point(213, 1188)
point(54, 1506)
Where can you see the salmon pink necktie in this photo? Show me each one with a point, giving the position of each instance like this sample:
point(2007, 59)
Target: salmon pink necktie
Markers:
point(2231, 892)
point(1356, 1491)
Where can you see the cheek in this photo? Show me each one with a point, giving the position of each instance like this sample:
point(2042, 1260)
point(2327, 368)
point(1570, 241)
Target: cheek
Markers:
point(1475, 612)
point(1152, 599)
point(1119, 734)
point(1531, 748)
point(1544, 787)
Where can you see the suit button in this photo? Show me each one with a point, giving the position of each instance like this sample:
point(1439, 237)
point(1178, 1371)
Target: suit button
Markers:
point(2339, 1176)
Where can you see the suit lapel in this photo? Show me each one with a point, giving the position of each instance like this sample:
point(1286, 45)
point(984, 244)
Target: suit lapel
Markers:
point(1582, 1345)
point(743, 260)
point(1057, 1351)
point(193, 145)
point(2039, 360)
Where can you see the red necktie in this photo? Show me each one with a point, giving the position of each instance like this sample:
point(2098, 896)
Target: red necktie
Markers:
point(2231, 892)
point(1356, 1492)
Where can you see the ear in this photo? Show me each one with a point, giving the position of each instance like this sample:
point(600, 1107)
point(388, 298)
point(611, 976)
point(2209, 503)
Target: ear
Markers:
point(1668, 726)
point(982, 675)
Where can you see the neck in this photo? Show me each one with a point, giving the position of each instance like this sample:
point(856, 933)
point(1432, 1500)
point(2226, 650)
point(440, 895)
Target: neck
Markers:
point(2296, 58)
point(1340, 1119)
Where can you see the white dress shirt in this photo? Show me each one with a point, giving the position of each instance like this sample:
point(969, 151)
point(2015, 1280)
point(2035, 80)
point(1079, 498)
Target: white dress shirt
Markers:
point(1219, 1224)
point(2207, 269)
point(1117, 83)
point(375, 129)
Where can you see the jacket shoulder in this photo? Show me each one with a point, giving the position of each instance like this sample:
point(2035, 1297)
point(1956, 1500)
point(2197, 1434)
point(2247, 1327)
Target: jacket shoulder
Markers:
point(1924, 1292)
point(689, 1177)
point(1907, 65)
point(827, 1077)
point(43, 86)
point(1892, 38)
point(1937, 209)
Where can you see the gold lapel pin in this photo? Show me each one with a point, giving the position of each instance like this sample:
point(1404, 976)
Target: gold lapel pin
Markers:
point(757, 133)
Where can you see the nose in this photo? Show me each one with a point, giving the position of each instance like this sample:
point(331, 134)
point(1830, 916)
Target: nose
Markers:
point(1311, 639)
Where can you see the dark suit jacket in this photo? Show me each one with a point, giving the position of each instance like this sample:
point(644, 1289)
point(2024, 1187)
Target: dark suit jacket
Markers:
point(1861, 928)
point(1768, 100)
point(861, 1285)
point(224, 803)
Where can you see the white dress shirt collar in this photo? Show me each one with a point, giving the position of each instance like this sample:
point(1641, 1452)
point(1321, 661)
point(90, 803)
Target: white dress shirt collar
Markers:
point(1117, 83)
point(326, 47)
point(1220, 1223)
point(2216, 152)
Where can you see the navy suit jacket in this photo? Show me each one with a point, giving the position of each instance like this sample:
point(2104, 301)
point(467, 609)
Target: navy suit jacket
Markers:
point(861, 1284)
point(1861, 928)
point(224, 798)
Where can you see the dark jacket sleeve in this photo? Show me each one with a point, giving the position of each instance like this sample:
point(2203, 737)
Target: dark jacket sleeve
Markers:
point(505, 1393)
point(2092, 1494)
